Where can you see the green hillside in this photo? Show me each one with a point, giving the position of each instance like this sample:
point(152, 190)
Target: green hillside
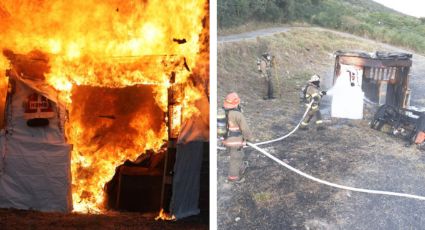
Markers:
point(361, 17)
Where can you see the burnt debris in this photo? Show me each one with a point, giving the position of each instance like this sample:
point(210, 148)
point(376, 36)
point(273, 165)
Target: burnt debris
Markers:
point(179, 41)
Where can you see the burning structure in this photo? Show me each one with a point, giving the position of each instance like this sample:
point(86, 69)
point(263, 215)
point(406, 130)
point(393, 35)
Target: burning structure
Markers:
point(381, 77)
point(93, 84)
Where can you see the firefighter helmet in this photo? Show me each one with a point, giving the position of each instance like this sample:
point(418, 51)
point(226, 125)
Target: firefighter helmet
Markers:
point(267, 56)
point(232, 101)
point(314, 78)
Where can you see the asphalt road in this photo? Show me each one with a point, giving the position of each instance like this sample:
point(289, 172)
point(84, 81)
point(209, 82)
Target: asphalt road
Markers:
point(252, 34)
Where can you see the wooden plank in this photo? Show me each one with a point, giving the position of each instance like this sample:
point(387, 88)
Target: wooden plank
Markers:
point(359, 61)
point(4, 82)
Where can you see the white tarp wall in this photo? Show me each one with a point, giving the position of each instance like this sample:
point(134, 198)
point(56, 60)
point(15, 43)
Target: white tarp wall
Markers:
point(35, 161)
point(187, 168)
point(347, 94)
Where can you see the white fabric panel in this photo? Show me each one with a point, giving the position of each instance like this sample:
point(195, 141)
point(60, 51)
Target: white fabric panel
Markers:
point(197, 128)
point(35, 167)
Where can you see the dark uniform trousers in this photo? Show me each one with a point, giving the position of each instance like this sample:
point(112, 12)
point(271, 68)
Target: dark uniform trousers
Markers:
point(236, 158)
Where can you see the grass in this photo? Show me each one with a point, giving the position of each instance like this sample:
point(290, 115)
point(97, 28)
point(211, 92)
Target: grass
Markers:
point(299, 54)
point(361, 17)
point(257, 25)
point(262, 197)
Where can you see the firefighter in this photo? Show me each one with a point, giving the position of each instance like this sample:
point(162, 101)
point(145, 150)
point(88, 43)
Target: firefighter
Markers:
point(312, 92)
point(237, 134)
point(264, 65)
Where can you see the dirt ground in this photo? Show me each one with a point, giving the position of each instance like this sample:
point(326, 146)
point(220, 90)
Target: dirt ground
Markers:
point(19, 219)
point(347, 152)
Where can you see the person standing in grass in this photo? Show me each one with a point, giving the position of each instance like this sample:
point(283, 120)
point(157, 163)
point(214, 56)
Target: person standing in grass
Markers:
point(237, 134)
point(264, 66)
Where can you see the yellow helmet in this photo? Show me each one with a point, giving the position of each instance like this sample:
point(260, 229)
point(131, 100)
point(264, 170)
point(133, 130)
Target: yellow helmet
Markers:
point(314, 78)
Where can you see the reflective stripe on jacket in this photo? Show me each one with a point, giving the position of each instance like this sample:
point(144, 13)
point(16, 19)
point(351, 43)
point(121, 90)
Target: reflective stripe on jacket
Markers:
point(234, 128)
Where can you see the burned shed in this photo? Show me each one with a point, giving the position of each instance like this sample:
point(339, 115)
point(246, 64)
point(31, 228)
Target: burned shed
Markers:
point(382, 76)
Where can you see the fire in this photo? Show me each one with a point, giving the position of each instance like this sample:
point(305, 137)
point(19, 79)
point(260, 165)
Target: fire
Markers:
point(165, 216)
point(111, 48)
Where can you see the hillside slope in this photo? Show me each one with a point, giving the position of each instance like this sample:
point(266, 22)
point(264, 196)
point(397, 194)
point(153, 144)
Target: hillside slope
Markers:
point(347, 152)
point(365, 18)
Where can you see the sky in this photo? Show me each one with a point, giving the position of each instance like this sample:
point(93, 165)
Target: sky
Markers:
point(410, 7)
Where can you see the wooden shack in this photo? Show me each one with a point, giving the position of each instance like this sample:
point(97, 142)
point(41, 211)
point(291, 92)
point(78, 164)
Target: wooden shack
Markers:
point(383, 76)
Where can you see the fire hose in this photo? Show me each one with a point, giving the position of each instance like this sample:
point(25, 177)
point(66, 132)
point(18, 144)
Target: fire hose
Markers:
point(370, 191)
point(330, 183)
point(290, 133)
point(284, 136)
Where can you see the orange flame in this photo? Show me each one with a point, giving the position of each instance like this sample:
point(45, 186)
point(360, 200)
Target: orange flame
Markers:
point(94, 45)
point(165, 216)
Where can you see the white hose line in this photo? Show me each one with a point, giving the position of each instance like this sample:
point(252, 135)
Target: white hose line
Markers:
point(290, 133)
point(286, 135)
point(333, 184)
point(221, 148)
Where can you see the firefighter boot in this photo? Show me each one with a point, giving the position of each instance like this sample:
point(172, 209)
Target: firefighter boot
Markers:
point(242, 170)
point(304, 126)
point(235, 179)
point(319, 125)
